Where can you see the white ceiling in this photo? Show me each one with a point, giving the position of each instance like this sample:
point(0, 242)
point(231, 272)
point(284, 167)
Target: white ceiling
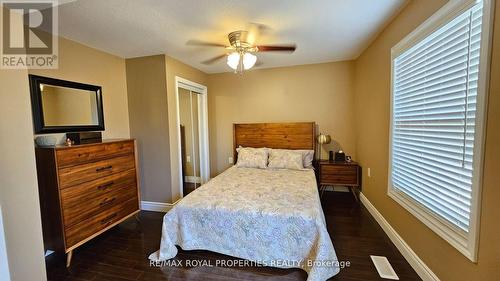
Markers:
point(324, 30)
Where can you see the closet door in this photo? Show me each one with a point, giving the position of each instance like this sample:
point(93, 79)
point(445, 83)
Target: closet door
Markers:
point(190, 139)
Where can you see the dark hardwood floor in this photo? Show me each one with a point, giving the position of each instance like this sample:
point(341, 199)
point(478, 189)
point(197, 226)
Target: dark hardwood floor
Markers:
point(189, 187)
point(121, 253)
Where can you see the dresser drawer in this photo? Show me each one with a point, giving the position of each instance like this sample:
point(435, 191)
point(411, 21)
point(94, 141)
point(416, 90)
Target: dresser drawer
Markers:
point(337, 174)
point(74, 175)
point(90, 226)
point(89, 153)
point(85, 200)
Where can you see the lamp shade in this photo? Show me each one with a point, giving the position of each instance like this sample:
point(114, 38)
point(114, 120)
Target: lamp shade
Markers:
point(324, 139)
point(249, 60)
point(233, 60)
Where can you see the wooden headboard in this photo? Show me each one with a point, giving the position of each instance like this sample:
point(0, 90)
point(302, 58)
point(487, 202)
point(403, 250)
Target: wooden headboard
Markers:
point(274, 135)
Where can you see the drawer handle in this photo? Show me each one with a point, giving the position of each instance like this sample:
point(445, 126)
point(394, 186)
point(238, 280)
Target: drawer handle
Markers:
point(105, 202)
point(105, 186)
point(108, 219)
point(104, 168)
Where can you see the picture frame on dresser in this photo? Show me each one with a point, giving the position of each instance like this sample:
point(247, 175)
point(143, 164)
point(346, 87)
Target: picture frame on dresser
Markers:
point(86, 190)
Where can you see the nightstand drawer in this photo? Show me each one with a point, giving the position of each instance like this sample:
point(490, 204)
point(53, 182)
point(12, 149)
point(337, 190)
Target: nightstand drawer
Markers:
point(339, 170)
point(338, 174)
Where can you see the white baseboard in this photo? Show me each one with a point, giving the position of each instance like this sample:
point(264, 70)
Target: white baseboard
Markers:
point(156, 206)
point(418, 265)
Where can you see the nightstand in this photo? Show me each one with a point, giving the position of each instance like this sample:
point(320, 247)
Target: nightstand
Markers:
point(339, 173)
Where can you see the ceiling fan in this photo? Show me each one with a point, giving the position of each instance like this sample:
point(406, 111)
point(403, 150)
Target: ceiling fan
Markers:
point(241, 51)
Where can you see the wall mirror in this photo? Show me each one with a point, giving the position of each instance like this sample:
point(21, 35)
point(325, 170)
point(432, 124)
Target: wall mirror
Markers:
point(192, 114)
point(61, 106)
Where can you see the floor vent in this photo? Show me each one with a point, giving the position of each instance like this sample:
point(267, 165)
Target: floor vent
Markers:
point(384, 268)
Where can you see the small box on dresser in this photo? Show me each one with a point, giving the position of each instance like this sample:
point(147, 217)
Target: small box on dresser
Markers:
point(85, 190)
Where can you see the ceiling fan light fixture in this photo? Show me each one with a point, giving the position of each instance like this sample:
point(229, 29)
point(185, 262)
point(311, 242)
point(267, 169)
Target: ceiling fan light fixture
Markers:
point(233, 60)
point(249, 60)
point(242, 49)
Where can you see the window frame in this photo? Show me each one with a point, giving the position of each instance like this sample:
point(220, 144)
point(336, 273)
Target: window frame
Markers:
point(465, 242)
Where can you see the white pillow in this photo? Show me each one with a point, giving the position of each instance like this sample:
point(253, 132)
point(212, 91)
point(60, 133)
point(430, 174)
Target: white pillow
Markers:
point(285, 159)
point(249, 157)
point(307, 156)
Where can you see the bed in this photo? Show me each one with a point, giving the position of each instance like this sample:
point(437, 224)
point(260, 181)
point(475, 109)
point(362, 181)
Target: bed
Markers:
point(270, 217)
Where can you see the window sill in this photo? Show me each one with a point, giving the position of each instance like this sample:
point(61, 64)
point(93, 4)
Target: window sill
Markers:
point(457, 238)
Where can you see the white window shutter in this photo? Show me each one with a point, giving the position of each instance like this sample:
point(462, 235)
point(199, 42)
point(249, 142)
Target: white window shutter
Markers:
point(435, 86)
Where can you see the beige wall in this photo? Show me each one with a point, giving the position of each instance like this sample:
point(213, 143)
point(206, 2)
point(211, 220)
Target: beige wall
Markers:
point(18, 182)
point(19, 193)
point(322, 93)
point(319, 92)
point(372, 99)
point(176, 68)
point(83, 64)
point(348, 100)
point(153, 116)
point(19, 189)
point(147, 102)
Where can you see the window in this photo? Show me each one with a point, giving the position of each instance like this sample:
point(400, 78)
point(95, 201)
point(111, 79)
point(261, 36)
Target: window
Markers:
point(438, 101)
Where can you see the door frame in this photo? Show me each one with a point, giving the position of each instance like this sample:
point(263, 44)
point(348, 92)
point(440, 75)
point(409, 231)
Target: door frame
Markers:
point(202, 128)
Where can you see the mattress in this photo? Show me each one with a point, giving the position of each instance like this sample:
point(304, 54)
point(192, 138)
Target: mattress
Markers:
point(270, 217)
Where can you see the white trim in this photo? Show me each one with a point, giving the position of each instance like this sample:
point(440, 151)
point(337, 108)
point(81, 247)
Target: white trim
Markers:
point(435, 223)
point(178, 130)
point(195, 157)
point(480, 126)
point(465, 243)
point(190, 85)
point(442, 16)
point(203, 135)
point(416, 263)
point(157, 206)
point(202, 127)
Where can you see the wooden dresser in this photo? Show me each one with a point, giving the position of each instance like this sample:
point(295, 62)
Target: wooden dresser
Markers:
point(85, 190)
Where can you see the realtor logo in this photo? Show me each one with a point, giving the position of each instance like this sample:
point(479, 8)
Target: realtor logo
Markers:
point(28, 34)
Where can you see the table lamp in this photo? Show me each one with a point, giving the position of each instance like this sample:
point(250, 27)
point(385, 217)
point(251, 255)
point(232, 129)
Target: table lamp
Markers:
point(322, 139)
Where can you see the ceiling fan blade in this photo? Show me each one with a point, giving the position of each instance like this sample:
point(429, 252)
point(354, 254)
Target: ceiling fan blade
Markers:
point(203, 43)
point(277, 48)
point(214, 59)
